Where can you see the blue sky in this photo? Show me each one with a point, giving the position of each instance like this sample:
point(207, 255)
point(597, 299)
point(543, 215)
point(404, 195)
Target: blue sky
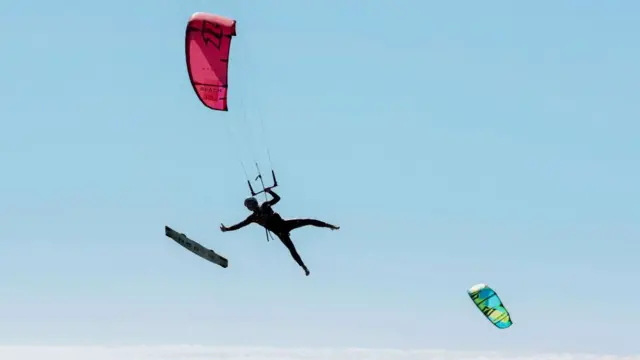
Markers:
point(454, 143)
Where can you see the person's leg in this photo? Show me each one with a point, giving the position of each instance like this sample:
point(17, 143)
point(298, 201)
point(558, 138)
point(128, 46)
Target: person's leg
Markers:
point(293, 224)
point(286, 240)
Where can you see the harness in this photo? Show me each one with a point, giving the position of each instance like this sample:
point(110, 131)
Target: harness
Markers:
point(266, 213)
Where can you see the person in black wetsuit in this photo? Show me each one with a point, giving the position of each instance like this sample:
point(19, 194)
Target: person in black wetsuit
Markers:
point(264, 216)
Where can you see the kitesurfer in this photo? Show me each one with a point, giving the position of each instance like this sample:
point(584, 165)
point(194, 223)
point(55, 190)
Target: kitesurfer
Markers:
point(263, 215)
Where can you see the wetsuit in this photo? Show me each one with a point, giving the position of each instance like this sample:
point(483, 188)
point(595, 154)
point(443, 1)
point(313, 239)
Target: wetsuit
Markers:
point(272, 221)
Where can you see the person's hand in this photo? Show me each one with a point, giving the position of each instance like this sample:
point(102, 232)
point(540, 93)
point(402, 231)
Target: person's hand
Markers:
point(223, 228)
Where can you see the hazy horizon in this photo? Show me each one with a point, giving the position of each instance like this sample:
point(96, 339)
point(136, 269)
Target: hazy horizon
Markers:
point(184, 352)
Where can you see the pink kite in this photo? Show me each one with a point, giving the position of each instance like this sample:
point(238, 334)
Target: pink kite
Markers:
point(207, 45)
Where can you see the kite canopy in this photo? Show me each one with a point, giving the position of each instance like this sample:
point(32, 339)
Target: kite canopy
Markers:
point(490, 305)
point(207, 46)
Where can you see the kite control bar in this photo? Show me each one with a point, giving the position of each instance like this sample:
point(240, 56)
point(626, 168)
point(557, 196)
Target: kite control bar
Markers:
point(264, 188)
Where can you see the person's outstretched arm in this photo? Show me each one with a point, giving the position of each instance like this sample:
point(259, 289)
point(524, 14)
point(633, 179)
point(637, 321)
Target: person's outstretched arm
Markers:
point(237, 226)
point(275, 196)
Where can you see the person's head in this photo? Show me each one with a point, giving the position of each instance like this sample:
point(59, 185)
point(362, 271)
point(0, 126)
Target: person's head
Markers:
point(251, 204)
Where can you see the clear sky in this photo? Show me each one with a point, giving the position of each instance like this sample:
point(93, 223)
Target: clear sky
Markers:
point(455, 143)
